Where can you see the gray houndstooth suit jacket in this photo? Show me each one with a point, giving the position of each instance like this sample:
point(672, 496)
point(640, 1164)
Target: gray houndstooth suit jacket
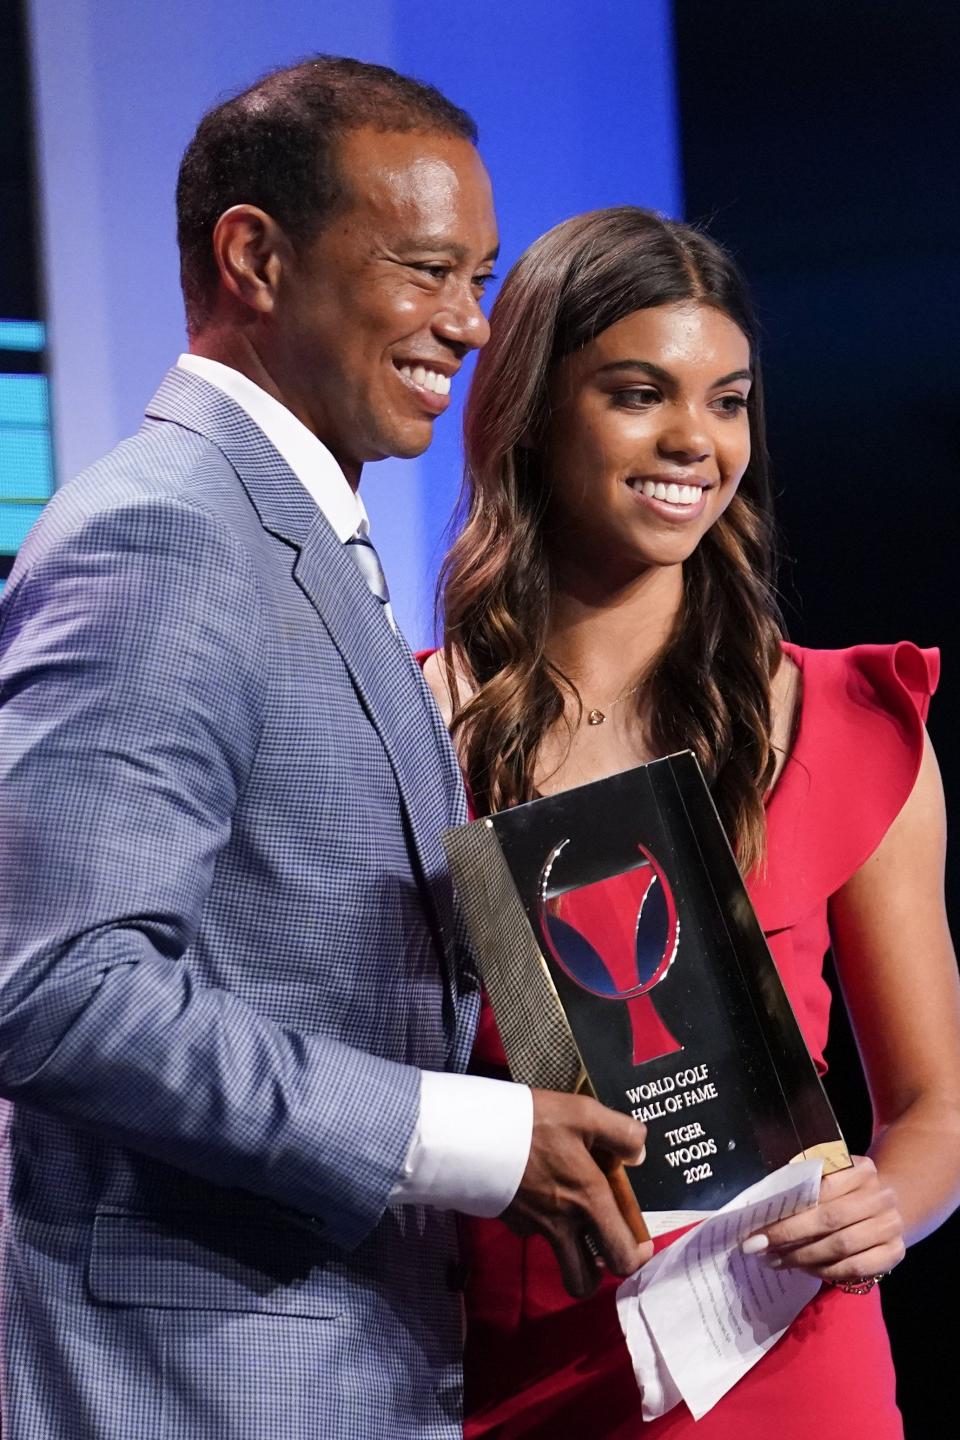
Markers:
point(227, 941)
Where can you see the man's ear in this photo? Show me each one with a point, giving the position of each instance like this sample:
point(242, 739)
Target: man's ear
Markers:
point(250, 250)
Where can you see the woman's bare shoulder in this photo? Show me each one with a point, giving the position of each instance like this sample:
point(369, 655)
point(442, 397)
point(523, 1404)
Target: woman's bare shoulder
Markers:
point(785, 696)
point(786, 686)
point(448, 700)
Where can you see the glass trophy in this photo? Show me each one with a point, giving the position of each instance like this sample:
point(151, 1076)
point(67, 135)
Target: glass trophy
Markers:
point(622, 956)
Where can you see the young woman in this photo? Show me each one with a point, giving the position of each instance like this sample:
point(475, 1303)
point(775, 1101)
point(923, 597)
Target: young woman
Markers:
point(609, 600)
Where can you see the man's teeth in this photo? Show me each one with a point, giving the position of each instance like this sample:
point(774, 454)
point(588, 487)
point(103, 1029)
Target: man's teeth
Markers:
point(673, 494)
point(427, 379)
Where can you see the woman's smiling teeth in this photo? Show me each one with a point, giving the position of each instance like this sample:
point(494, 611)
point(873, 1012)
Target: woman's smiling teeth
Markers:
point(673, 494)
point(428, 379)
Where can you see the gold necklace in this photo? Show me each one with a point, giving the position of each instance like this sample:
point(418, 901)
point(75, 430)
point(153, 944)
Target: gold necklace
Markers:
point(597, 716)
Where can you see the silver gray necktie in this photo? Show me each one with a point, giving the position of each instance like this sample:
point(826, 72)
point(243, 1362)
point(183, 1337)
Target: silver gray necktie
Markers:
point(362, 549)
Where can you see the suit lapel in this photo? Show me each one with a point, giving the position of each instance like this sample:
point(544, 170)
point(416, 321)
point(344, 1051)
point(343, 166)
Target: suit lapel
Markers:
point(448, 756)
point(387, 679)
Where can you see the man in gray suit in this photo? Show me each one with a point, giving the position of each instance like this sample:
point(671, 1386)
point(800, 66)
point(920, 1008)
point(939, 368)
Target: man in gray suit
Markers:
point(235, 1000)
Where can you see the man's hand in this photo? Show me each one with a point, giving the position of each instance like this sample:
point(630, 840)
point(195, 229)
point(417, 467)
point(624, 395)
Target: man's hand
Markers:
point(565, 1196)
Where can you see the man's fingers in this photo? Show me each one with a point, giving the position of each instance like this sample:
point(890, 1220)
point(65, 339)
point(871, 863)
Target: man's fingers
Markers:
point(626, 1200)
point(618, 1135)
point(578, 1266)
point(583, 1252)
point(620, 1252)
point(564, 1193)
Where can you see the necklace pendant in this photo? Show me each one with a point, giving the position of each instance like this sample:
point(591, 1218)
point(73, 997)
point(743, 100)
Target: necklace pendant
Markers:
point(596, 717)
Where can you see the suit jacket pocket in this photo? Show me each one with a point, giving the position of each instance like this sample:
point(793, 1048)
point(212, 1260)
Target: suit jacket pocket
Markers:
point(191, 1262)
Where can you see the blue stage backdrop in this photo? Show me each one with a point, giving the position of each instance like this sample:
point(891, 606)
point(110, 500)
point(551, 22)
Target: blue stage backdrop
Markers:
point(576, 109)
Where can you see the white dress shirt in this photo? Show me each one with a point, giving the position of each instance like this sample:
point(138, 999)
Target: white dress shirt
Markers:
point(472, 1139)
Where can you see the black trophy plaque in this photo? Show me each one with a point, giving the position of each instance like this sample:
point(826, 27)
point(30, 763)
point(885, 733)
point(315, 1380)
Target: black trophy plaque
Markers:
point(621, 954)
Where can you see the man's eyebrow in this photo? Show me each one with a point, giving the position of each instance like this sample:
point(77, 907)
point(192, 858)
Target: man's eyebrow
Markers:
point(451, 247)
point(658, 372)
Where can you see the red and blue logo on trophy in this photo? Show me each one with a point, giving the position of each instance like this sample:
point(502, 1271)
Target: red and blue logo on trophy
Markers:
point(615, 938)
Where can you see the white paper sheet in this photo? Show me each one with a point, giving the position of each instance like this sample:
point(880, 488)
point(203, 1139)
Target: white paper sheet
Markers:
point(701, 1313)
point(661, 1222)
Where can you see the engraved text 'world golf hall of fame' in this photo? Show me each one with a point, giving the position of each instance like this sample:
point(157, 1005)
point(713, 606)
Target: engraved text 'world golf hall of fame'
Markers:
point(615, 938)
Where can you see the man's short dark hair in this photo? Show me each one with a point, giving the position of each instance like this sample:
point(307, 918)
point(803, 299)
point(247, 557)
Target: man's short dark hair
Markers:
point(274, 146)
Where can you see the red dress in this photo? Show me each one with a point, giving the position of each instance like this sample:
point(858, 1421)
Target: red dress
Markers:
point(539, 1364)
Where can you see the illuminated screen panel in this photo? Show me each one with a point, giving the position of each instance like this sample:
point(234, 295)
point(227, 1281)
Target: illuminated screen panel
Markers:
point(26, 462)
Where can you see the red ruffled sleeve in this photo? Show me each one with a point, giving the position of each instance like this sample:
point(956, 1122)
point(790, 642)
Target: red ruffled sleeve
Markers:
point(854, 761)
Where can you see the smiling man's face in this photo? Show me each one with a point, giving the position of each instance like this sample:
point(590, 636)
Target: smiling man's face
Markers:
point(380, 309)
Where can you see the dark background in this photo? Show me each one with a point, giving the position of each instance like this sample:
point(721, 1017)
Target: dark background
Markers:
point(20, 289)
point(19, 286)
point(821, 143)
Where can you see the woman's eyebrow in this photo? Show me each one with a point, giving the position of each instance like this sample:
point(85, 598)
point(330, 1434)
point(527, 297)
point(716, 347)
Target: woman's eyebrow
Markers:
point(658, 372)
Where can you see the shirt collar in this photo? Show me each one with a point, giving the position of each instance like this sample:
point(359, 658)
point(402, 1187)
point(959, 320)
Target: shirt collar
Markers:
point(308, 457)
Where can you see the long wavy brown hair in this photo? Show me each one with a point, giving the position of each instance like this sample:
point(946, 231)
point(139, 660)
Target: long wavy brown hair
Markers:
point(709, 689)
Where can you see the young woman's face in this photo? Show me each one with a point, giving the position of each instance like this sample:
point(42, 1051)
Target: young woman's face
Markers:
point(647, 440)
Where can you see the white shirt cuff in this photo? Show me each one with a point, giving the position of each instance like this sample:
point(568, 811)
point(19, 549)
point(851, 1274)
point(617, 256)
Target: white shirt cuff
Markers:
point(470, 1146)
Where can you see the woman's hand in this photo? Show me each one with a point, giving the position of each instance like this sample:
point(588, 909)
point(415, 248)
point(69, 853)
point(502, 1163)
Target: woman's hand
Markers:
point(854, 1232)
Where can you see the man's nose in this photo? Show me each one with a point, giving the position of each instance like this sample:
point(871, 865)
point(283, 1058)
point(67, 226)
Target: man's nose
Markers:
point(461, 321)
